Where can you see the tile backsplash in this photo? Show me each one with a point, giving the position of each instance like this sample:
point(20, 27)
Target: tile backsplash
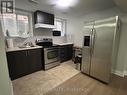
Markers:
point(39, 33)
point(56, 40)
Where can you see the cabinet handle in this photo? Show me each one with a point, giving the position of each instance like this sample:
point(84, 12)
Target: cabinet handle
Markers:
point(28, 53)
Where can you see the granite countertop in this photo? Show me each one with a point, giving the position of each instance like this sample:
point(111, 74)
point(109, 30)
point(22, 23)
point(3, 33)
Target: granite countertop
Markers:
point(19, 49)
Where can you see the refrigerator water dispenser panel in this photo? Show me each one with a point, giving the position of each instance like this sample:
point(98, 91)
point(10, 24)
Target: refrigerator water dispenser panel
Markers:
point(86, 40)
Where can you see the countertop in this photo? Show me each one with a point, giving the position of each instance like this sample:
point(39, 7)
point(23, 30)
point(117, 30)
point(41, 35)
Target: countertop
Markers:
point(35, 47)
point(64, 43)
point(19, 49)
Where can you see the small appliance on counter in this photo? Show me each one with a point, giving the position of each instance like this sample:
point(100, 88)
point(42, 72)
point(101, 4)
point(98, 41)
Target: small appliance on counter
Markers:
point(50, 52)
point(56, 33)
point(9, 43)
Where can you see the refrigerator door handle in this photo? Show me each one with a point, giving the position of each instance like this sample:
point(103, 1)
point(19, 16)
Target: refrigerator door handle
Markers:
point(93, 40)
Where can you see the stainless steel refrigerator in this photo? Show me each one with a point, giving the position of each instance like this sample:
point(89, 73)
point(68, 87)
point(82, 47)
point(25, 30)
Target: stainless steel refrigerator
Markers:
point(100, 48)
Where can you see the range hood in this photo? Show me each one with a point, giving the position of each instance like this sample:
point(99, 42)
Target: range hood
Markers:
point(39, 25)
point(43, 20)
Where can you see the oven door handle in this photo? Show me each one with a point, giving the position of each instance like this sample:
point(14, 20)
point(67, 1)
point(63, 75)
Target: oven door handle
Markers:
point(51, 49)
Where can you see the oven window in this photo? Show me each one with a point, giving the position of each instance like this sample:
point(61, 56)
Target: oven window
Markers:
point(52, 54)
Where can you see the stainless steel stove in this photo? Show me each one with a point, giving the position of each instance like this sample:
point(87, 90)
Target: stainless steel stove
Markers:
point(50, 52)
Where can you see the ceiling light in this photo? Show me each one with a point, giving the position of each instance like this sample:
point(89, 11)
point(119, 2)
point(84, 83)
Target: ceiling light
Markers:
point(64, 3)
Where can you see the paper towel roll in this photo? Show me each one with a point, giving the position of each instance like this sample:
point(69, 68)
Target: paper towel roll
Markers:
point(9, 43)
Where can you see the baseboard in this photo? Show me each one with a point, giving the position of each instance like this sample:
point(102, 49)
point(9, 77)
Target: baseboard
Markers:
point(119, 73)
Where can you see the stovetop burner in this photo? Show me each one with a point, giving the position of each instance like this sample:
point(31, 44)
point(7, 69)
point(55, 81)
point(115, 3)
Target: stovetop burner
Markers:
point(45, 42)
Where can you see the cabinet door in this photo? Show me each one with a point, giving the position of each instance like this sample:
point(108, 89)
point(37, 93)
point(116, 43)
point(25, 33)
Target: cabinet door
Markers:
point(20, 63)
point(16, 64)
point(35, 60)
point(69, 51)
point(66, 52)
point(11, 65)
point(62, 54)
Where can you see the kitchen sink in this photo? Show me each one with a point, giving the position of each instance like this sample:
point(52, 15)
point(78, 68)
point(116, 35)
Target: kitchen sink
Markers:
point(27, 45)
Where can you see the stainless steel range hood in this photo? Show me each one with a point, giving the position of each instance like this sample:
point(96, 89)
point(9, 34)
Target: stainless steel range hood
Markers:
point(40, 25)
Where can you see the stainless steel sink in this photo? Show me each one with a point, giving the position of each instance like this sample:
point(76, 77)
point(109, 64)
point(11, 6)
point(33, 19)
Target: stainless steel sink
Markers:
point(27, 45)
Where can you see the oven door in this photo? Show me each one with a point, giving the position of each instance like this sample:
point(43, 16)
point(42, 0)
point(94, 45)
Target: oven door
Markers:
point(51, 55)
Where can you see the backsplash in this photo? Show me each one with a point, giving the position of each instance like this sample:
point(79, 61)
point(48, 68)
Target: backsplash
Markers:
point(39, 33)
point(42, 32)
point(56, 40)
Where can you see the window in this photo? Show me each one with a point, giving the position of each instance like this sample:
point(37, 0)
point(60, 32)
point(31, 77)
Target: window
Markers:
point(10, 26)
point(22, 24)
point(7, 6)
point(60, 25)
point(18, 24)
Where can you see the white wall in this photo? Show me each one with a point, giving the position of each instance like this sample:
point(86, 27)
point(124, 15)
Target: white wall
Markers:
point(75, 27)
point(5, 87)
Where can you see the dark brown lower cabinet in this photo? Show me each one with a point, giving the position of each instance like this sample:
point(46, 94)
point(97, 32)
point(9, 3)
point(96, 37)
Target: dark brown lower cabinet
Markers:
point(66, 52)
point(21, 63)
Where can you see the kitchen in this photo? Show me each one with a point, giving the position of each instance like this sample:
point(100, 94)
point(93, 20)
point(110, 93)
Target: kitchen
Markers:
point(43, 36)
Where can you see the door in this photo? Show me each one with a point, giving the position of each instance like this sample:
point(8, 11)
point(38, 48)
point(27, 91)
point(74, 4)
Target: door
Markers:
point(86, 55)
point(66, 52)
point(34, 60)
point(11, 65)
point(17, 64)
point(86, 49)
point(20, 63)
point(102, 50)
point(51, 55)
point(63, 54)
point(69, 52)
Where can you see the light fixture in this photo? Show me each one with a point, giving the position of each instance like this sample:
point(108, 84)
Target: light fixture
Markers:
point(64, 3)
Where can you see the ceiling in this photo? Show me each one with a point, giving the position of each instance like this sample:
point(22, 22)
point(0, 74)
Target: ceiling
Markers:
point(81, 8)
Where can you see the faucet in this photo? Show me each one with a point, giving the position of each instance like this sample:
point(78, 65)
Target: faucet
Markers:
point(28, 44)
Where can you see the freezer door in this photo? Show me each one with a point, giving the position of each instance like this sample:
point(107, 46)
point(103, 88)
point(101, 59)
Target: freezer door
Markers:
point(102, 50)
point(86, 53)
point(86, 58)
